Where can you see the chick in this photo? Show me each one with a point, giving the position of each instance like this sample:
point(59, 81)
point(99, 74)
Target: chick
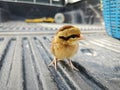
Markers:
point(65, 44)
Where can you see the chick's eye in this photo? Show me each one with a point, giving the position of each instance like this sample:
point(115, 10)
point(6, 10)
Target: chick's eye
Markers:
point(74, 36)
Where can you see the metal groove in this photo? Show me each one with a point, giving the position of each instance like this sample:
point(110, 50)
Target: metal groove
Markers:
point(42, 68)
point(87, 75)
point(31, 76)
point(7, 63)
point(10, 65)
point(57, 79)
point(35, 67)
point(16, 71)
point(4, 53)
point(23, 68)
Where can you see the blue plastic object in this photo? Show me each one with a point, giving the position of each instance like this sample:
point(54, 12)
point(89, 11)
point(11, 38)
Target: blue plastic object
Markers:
point(111, 14)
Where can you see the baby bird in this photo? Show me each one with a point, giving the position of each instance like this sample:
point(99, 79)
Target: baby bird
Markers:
point(65, 44)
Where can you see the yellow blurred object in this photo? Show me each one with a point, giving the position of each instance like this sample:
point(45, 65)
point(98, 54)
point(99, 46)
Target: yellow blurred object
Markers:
point(50, 20)
point(34, 20)
point(39, 20)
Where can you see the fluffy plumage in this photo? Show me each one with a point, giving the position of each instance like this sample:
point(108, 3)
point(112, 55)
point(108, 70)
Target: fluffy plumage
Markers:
point(65, 44)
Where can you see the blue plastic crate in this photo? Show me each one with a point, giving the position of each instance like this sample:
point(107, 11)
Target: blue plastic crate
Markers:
point(111, 13)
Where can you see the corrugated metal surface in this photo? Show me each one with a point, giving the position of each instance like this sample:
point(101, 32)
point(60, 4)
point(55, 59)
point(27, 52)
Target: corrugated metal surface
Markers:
point(24, 59)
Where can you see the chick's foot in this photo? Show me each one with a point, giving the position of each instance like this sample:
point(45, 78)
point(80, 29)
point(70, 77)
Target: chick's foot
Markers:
point(71, 65)
point(54, 62)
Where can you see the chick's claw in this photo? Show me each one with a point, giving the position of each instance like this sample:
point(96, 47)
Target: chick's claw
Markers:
point(72, 66)
point(54, 62)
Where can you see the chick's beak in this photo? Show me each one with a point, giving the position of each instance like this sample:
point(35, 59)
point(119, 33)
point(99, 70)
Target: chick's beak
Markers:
point(81, 37)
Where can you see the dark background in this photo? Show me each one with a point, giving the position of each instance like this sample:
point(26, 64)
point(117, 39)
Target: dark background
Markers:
point(80, 12)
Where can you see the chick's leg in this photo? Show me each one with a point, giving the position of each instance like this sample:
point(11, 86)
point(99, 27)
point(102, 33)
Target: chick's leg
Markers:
point(71, 65)
point(54, 62)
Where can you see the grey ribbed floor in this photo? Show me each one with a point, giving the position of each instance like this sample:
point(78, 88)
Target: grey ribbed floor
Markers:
point(24, 59)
